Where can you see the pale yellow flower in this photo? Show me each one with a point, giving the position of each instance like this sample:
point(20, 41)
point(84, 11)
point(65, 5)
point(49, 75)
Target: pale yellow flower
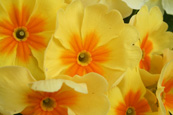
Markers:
point(91, 40)
point(21, 93)
point(130, 96)
point(25, 29)
point(153, 34)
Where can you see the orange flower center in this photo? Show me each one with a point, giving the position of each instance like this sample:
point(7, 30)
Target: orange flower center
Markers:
point(146, 47)
point(85, 56)
point(48, 104)
point(44, 103)
point(20, 34)
point(134, 104)
point(130, 111)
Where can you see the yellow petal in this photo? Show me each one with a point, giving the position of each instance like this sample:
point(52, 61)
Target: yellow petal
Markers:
point(123, 52)
point(90, 79)
point(95, 102)
point(148, 78)
point(53, 64)
point(91, 104)
point(115, 97)
point(94, 16)
point(9, 59)
point(119, 5)
point(167, 56)
point(156, 64)
point(161, 105)
point(4, 112)
point(69, 22)
point(54, 85)
point(50, 8)
point(152, 100)
point(113, 76)
point(35, 70)
point(14, 86)
point(165, 76)
point(132, 76)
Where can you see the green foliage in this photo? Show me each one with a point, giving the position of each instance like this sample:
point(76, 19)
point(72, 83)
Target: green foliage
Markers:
point(169, 20)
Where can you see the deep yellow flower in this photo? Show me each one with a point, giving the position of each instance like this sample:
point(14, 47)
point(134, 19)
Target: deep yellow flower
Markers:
point(165, 89)
point(21, 93)
point(91, 40)
point(25, 29)
point(153, 35)
point(129, 97)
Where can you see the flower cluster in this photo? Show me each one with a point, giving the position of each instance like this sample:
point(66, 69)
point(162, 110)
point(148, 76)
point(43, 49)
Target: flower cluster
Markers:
point(78, 57)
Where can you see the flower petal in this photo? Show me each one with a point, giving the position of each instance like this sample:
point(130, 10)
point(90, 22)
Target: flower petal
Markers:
point(148, 78)
point(167, 5)
point(32, 65)
point(14, 86)
point(115, 98)
point(53, 85)
point(69, 23)
point(119, 5)
point(52, 63)
point(94, 16)
point(127, 83)
point(123, 52)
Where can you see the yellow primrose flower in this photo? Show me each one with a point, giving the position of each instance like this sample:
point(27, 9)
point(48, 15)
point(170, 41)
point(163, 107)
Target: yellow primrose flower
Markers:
point(153, 35)
point(162, 4)
point(83, 43)
point(129, 97)
point(25, 29)
point(165, 89)
point(119, 5)
point(21, 93)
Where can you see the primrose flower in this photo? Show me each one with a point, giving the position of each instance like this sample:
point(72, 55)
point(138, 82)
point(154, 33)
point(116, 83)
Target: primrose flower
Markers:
point(127, 98)
point(153, 35)
point(25, 29)
point(162, 4)
point(83, 43)
point(21, 93)
point(165, 89)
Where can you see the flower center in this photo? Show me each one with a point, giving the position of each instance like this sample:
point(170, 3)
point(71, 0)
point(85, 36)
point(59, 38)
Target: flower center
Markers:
point(130, 111)
point(84, 58)
point(20, 34)
point(48, 104)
